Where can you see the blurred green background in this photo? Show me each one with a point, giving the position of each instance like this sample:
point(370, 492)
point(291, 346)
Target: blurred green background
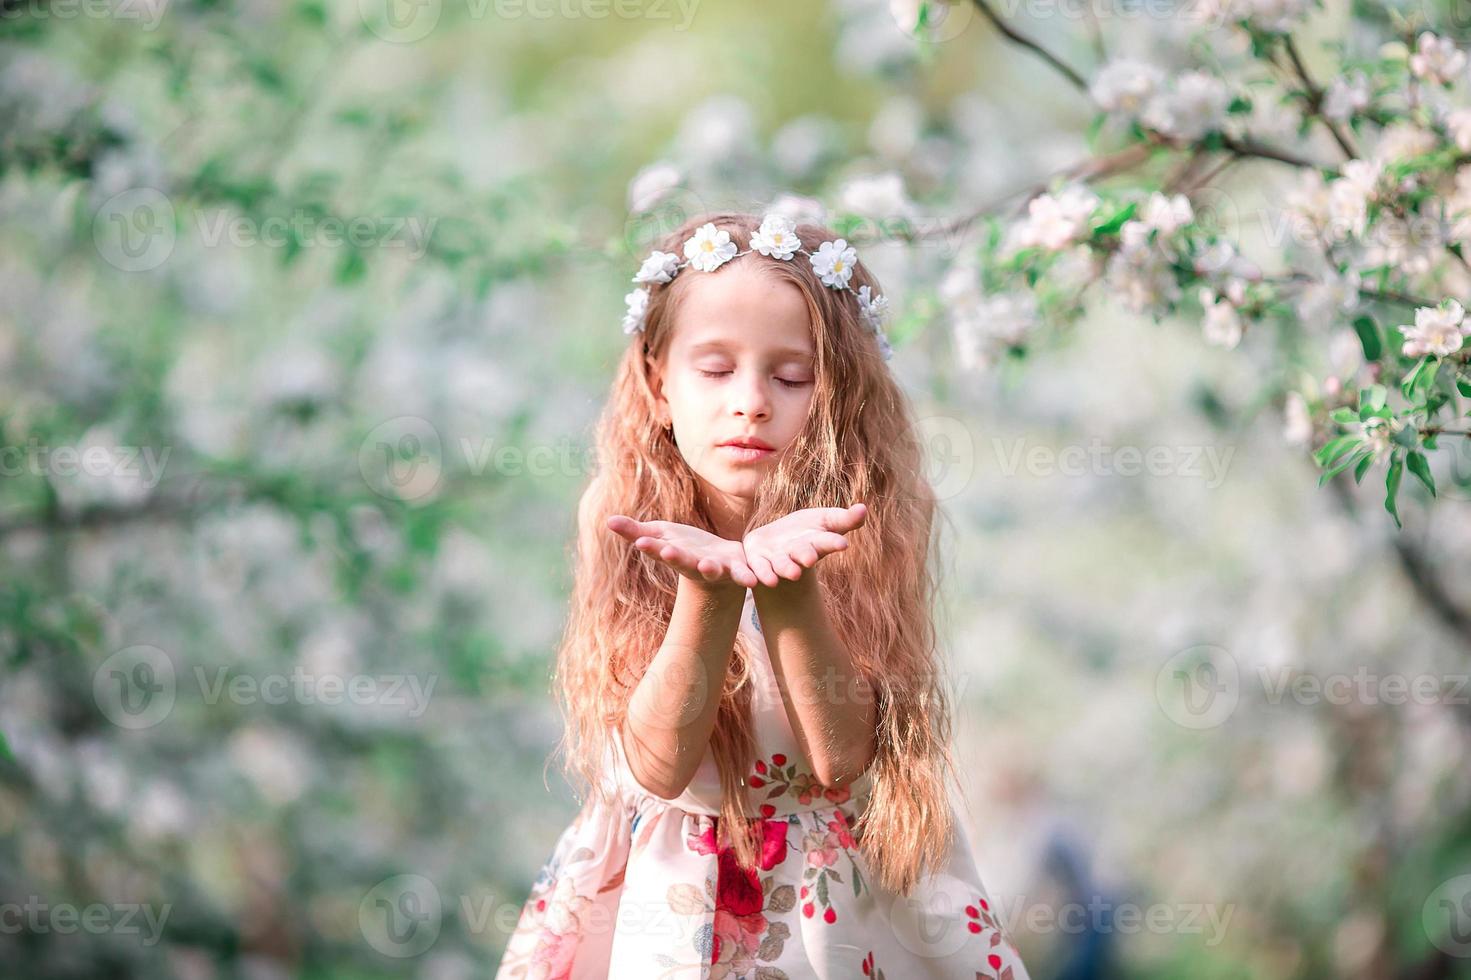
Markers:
point(306, 310)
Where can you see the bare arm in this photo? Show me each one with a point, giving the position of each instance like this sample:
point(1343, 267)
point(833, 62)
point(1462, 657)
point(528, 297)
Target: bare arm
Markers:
point(671, 714)
point(830, 705)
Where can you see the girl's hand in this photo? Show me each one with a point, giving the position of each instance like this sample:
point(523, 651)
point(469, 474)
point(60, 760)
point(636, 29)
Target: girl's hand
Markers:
point(690, 551)
point(786, 546)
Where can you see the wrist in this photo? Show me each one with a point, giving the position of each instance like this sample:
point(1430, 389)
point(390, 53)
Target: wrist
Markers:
point(786, 590)
point(714, 593)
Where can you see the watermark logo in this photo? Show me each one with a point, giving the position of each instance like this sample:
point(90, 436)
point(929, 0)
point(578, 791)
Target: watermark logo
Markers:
point(1447, 916)
point(949, 454)
point(1198, 687)
point(135, 231)
point(135, 687)
point(402, 916)
point(402, 459)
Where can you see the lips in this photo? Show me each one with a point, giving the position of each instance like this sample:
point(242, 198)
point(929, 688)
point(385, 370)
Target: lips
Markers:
point(747, 442)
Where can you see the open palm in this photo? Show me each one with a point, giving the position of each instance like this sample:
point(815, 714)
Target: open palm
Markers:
point(694, 553)
point(790, 544)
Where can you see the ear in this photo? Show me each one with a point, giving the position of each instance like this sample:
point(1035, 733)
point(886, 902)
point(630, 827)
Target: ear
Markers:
point(656, 385)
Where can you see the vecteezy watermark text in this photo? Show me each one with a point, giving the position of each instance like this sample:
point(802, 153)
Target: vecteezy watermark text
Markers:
point(137, 687)
point(1208, 463)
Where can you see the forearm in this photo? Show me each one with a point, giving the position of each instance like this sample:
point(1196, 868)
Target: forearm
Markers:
point(829, 703)
point(672, 711)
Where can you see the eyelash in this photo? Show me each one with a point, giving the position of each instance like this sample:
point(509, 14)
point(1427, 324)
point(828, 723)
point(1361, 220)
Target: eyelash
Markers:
point(789, 384)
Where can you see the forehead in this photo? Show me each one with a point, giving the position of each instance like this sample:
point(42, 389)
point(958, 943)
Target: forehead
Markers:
point(741, 307)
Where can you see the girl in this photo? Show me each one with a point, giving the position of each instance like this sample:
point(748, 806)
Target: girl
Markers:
point(749, 679)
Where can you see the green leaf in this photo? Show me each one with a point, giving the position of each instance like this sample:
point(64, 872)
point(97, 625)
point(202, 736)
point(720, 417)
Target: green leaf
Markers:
point(1420, 466)
point(352, 267)
point(1464, 387)
point(1363, 467)
point(1391, 487)
point(1371, 398)
point(1113, 224)
point(1339, 467)
point(1344, 416)
point(1369, 337)
point(1335, 448)
point(1420, 377)
point(5, 753)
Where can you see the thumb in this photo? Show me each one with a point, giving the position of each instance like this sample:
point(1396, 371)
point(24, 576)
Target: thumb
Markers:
point(846, 518)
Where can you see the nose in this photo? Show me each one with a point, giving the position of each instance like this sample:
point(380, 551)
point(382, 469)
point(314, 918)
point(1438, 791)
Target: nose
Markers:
point(750, 399)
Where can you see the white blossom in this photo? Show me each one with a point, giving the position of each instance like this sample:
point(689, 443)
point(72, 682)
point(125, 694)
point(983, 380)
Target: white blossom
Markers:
point(1167, 215)
point(1350, 194)
point(1139, 273)
point(800, 210)
point(1196, 106)
point(1378, 433)
point(1222, 325)
point(1297, 429)
point(1459, 125)
point(1055, 221)
point(1410, 245)
point(1404, 141)
point(1308, 209)
point(1328, 298)
point(1279, 16)
point(1437, 59)
point(995, 322)
point(1347, 95)
point(1437, 330)
point(651, 185)
point(1125, 86)
point(880, 196)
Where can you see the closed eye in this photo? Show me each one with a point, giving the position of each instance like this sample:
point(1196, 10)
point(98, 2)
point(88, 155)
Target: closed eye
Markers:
point(789, 384)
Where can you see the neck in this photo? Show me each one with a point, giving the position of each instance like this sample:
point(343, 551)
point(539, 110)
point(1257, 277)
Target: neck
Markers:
point(728, 513)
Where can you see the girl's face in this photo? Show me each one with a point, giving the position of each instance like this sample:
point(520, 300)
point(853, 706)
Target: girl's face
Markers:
point(739, 366)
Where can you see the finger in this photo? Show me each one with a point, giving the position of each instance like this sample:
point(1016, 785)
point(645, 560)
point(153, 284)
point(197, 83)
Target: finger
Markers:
point(741, 574)
point(805, 554)
point(787, 568)
point(844, 518)
point(826, 542)
point(629, 528)
point(763, 570)
point(709, 569)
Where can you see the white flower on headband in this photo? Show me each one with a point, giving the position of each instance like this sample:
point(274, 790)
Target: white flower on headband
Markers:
point(884, 348)
point(833, 262)
point(658, 267)
point(873, 309)
point(638, 305)
point(777, 237)
point(709, 248)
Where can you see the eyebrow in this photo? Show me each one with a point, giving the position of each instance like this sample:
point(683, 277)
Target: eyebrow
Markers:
point(721, 345)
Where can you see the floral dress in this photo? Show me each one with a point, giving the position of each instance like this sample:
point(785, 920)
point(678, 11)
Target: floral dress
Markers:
point(639, 888)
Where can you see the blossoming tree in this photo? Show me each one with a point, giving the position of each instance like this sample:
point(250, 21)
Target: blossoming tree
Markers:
point(1372, 232)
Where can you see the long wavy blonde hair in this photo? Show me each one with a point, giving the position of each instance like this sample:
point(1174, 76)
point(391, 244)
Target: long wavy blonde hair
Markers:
point(859, 444)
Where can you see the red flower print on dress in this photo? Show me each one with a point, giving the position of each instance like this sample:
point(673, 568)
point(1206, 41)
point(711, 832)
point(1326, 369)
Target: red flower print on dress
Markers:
point(785, 779)
point(872, 969)
point(982, 918)
point(743, 940)
point(556, 915)
point(825, 848)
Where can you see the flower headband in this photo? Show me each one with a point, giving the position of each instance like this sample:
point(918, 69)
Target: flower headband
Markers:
point(709, 248)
